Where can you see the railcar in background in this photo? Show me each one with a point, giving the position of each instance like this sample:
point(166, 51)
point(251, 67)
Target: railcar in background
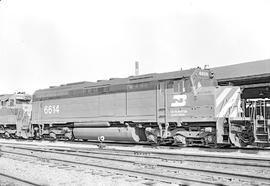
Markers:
point(258, 112)
point(15, 113)
point(184, 107)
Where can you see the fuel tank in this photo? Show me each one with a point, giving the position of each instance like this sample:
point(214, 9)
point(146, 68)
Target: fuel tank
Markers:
point(121, 134)
point(91, 124)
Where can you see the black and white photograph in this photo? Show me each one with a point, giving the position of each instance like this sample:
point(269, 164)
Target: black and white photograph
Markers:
point(135, 93)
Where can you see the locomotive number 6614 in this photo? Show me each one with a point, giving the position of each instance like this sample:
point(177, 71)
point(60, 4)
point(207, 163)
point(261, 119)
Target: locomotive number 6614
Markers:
point(51, 109)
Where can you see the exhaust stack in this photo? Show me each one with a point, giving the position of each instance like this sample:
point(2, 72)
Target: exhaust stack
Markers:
point(136, 68)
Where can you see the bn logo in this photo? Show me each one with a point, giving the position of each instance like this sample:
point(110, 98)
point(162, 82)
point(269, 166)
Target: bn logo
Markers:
point(179, 100)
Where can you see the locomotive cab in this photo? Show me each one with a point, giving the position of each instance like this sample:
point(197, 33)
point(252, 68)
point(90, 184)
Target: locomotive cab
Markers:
point(205, 113)
point(15, 112)
point(191, 108)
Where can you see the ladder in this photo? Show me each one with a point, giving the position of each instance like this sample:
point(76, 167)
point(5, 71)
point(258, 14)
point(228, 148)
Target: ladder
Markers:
point(260, 116)
point(161, 106)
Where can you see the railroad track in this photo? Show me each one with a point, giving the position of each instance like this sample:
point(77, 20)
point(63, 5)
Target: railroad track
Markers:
point(147, 145)
point(118, 166)
point(15, 181)
point(209, 155)
point(164, 167)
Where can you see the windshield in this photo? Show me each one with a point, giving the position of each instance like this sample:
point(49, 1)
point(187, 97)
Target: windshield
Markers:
point(203, 79)
point(182, 85)
point(22, 101)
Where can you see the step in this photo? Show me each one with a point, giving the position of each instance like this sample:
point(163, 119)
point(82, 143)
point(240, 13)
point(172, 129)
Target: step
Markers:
point(260, 126)
point(262, 134)
point(256, 141)
point(160, 109)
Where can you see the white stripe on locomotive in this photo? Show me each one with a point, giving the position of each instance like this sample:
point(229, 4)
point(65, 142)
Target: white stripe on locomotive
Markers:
point(229, 104)
point(222, 95)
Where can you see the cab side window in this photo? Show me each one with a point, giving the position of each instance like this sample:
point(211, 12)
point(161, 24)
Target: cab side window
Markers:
point(4, 103)
point(188, 85)
point(182, 86)
point(179, 86)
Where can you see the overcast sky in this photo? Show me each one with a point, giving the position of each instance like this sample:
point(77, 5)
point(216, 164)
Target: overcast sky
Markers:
point(53, 42)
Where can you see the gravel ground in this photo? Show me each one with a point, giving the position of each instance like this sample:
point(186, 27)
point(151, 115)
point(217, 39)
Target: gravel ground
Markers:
point(186, 150)
point(50, 174)
point(6, 182)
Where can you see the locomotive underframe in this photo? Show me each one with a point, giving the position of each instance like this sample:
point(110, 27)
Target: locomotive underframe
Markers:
point(8, 130)
point(221, 133)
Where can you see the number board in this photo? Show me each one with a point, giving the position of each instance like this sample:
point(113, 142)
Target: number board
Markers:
point(51, 109)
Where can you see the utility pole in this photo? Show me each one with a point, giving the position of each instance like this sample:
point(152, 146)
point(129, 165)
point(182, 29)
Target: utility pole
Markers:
point(136, 68)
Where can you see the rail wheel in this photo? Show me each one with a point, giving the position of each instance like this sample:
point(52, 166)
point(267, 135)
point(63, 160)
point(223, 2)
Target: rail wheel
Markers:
point(52, 136)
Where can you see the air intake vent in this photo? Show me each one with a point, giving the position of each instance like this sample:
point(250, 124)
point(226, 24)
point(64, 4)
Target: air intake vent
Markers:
point(115, 78)
point(100, 80)
point(148, 76)
point(77, 83)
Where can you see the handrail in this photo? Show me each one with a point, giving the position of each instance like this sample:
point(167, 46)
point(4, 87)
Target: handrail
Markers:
point(264, 117)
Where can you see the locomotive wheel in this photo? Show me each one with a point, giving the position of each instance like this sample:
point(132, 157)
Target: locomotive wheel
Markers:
point(72, 137)
point(179, 140)
point(236, 141)
point(7, 135)
point(52, 136)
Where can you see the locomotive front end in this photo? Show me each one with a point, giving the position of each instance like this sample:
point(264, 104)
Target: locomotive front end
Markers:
point(207, 114)
point(232, 126)
point(15, 114)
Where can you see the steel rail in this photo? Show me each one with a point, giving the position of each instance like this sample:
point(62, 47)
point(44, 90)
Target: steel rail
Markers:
point(252, 148)
point(140, 173)
point(220, 159)
point(128, 144)
point(209, 172)
point(161, 153)
point(203, 158)
point(178, 156)
point(217, 159)
point(16, 180)
point(218, 173)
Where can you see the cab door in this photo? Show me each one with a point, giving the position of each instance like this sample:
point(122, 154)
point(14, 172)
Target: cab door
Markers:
point(161, 102)
point(177, 98)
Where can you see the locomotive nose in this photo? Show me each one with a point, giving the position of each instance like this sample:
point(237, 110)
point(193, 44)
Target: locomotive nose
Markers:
point(228, 102)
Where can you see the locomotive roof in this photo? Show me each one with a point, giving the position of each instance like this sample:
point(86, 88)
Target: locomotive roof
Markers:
point(5, 97)
point(243, 70)
point(116, 81)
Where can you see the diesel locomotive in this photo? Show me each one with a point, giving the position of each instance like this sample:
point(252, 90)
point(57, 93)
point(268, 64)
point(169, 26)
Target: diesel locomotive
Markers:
point(184, 107)
point(15, 113)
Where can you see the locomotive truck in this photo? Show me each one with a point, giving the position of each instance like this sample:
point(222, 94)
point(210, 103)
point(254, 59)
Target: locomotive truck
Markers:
point(184, 107)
